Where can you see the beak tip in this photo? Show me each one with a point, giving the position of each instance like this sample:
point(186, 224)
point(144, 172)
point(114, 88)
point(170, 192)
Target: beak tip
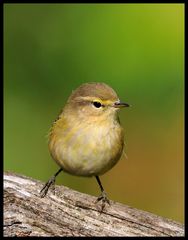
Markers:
point(121, 104)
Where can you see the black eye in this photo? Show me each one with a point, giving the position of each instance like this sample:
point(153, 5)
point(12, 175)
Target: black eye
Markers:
point(97, 104)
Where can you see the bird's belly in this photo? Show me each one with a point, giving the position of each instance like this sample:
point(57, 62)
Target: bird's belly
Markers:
point(88, 153)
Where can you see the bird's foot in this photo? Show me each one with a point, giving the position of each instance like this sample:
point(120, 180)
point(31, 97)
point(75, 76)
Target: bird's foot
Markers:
point(44, 190)
point(104, 199)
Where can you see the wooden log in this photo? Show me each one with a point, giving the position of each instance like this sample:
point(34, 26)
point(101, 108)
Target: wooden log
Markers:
point(71, 213)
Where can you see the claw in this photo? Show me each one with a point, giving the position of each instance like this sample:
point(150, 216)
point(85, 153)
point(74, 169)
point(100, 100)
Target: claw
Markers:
point(104, 199)
point(44, 190)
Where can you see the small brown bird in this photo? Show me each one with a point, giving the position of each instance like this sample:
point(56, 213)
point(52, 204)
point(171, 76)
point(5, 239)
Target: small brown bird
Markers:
point(87, 138)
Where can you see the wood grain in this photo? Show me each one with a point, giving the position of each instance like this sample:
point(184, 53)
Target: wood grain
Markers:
point(66, 212)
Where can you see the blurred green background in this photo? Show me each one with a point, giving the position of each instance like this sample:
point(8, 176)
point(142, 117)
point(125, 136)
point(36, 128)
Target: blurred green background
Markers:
point(138, 49)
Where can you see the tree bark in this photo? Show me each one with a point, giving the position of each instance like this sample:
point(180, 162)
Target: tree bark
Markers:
point(71, 213)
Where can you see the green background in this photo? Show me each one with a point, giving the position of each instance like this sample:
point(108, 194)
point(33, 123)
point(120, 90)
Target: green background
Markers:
point(138, 49)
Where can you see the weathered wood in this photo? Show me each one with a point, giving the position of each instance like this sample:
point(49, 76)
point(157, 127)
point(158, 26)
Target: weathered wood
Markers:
point(71, 213)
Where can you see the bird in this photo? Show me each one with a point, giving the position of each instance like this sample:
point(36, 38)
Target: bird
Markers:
point(87, 139)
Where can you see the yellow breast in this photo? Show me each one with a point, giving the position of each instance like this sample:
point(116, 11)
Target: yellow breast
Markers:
point(86, 148)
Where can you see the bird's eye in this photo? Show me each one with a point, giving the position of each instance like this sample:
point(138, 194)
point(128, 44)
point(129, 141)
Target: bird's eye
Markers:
point(97, 104)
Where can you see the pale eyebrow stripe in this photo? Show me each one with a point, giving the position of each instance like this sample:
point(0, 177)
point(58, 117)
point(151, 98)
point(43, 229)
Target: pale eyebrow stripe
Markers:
point(87, 98)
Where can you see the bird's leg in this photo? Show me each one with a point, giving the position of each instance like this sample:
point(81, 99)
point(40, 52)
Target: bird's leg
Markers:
point(50, 182)
point(103, 195)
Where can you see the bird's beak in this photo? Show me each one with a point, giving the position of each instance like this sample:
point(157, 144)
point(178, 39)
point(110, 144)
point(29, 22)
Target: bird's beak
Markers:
point(120, 105)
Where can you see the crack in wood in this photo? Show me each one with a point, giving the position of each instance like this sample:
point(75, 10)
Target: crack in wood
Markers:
point(73, 214)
